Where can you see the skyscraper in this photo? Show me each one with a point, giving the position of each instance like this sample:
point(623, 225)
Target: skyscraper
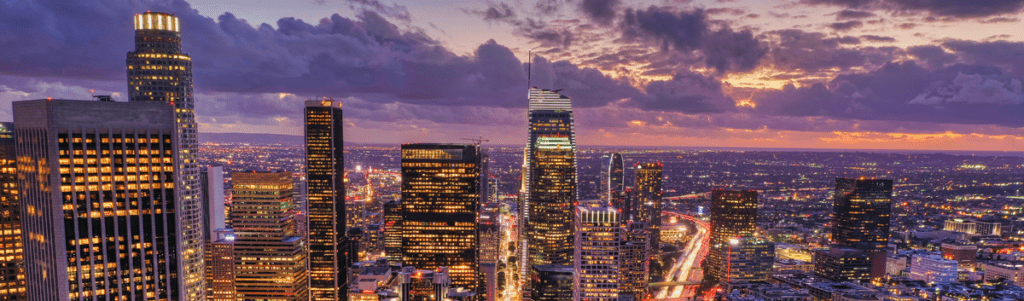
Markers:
point(647, 201)
point(159, 71)
point(214, 221)
point(12, 268)
point(842, 265)
point(552, 282)
point(220, 268)
point(550, 178)
point(98, 190)
point(612, 176)
point(634, 263)
point(860, 218)
point(596, 261)
point(325, 200)
point(747, 259)
point(733, 215)
point(440, 207)
point(270, 258)
point(393, 232)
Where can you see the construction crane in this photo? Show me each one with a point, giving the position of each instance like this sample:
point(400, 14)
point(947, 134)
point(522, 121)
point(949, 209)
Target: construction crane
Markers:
point(477, 140)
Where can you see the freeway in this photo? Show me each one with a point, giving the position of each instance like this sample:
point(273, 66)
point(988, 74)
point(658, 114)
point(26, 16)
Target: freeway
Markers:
point(682, 278)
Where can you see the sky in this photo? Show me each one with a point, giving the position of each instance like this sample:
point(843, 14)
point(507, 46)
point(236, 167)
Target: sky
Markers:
point(848, 74)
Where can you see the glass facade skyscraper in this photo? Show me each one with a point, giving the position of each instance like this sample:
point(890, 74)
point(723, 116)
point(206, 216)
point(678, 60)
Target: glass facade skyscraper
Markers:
point(733, 215)
point(270, 257)
point(159, 71)
point(325, 200)
point(596, 262)
point(550, 178)
point(98, 191)
point(440, 209)
point(612, 176)
point(12, 268)
point(647, 201)
point(861, 214)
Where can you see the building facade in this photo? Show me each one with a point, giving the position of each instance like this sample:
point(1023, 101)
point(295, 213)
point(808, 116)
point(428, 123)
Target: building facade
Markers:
point(733, 215)
point(973, 227)
point(159, 71)
point(596, 262)
point(440, 207)
point(647, 201)
point(933, 269)
point(325, 199)
point(552, 282)
point(842, 265)
point(97, 190)
point(634, 262)
point(861, 213)
point(612, 176)
point(393, 232)
point(220, 268)
point(550, 178)
point(747, 259)
point(270, 257)
point(214, 224)
point(12, 268)
point(965, 255)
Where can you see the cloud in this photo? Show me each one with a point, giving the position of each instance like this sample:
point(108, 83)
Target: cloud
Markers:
point(853, 14)
point(846, 26)
point(972, 89)
point(932, 56)
point(811, 52)
point(495, 12)
point(940, 8)
point(874, 38)
point(724, 50)
point(601, 11)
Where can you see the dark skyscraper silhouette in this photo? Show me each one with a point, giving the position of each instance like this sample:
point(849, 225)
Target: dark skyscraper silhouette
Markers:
point(325, 200)
point(159, 71)
point(861, 214)
point(733, 215)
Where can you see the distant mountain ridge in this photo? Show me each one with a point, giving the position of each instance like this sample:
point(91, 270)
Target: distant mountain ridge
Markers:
point(250, 138)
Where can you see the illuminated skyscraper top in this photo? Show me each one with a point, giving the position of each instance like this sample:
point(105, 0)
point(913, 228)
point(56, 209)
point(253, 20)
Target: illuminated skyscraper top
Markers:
point(612, 176)
point(159, 71)
point(550, 178)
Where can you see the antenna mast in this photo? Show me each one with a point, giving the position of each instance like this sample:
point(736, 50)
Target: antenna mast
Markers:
point(529, 68)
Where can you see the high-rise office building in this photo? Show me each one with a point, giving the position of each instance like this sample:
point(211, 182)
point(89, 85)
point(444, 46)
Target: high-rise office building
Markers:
point(634, 263)
point(647, 201)
point(98, 191)
point(301, 208)
point(393, 232)
point(842, 265)
point(861, 214)
point(270, 258)
point(550, 180)
point(440, 207)
point(325, 200)
point(933, 269)
point(733, 215)
point(612, 177)
point(747, 259)
point(159, 71)
point(214, 225)
point(12, 268)
point(220, 268)
point(596, 261)
point(552, 282)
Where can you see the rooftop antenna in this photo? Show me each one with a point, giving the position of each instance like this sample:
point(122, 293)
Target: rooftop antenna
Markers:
point(529, 68)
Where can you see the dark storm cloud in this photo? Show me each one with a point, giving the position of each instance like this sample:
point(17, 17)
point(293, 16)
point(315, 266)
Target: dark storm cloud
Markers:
point(1008, 55)
point(689, 31)
point(601, 11)
point(964, 94)
point(237, 64)
point(794, 49)
point(941, 8)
